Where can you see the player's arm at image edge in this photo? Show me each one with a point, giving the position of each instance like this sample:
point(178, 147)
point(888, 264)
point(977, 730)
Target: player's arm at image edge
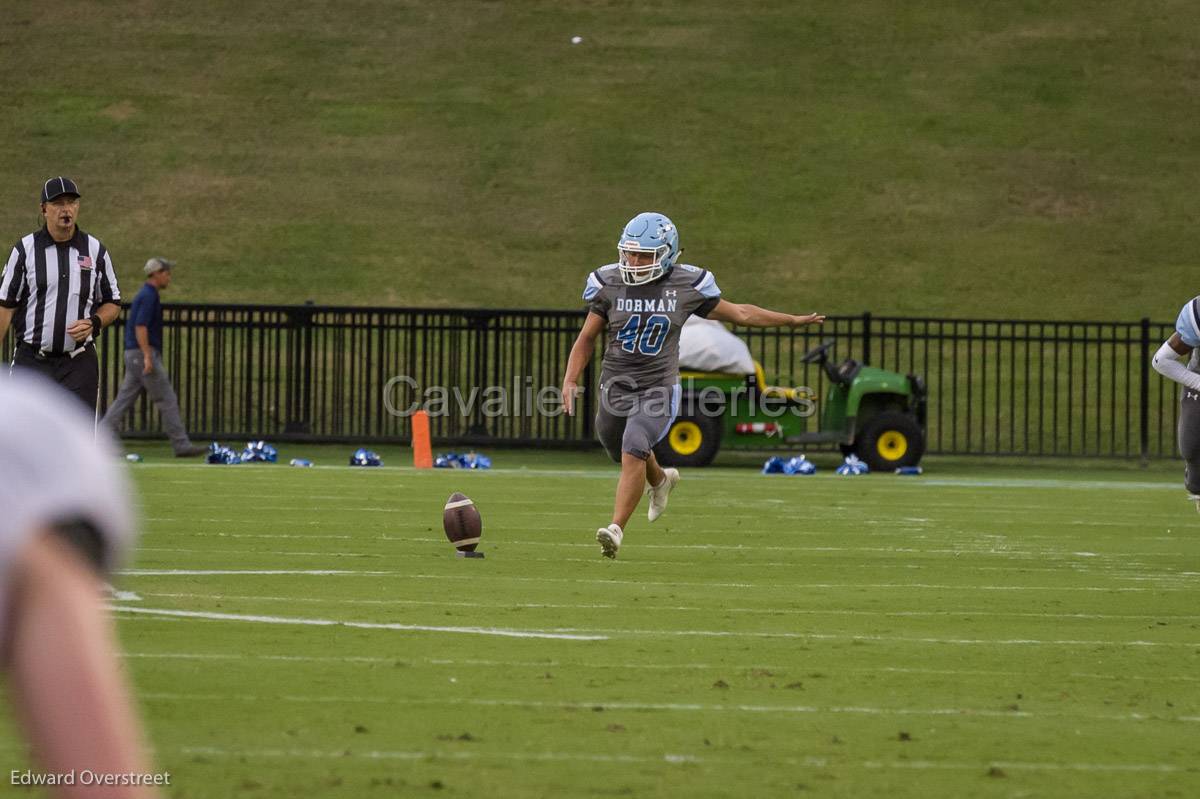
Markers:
point(65, 682)
point(1166, 362)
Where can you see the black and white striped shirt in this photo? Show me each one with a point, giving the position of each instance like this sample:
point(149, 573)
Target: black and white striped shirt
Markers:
point(54, 284)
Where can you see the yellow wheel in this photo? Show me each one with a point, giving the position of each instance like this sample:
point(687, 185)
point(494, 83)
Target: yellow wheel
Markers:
point(890, 439)
point(892, 445)
point(685, 437)
point(692, 441)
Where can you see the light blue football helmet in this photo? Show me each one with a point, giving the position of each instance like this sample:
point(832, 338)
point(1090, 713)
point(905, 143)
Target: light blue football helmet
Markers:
point(648, 232)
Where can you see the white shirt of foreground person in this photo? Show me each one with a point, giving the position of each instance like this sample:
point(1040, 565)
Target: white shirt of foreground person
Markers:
point(54, 469)
point(66, 520)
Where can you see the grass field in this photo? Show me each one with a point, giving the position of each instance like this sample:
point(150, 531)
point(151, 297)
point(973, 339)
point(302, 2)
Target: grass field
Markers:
point(940, 158)
point(978, 631)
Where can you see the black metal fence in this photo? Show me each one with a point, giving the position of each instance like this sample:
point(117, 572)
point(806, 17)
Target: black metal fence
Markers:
point(337, 374)
point(1010, 387)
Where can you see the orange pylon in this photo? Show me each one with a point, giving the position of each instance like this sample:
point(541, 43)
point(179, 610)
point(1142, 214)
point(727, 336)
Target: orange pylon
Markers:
point(422, 450)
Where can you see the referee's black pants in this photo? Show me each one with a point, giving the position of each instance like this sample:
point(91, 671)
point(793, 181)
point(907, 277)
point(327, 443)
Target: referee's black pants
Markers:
point(79, 375)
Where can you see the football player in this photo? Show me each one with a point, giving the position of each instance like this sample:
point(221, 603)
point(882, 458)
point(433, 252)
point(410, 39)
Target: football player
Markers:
point(66, 522)
point(1183, 343)
point(640, 304)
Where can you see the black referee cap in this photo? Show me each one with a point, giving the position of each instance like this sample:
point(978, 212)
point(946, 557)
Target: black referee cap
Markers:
point(57, 187)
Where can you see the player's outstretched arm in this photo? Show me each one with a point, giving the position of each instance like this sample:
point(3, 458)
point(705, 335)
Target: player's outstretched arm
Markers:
point(753, 316)
point(1166, 362)
point(581, 353)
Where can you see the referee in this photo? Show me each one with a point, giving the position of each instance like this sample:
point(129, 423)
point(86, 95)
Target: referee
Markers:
point(58, 291)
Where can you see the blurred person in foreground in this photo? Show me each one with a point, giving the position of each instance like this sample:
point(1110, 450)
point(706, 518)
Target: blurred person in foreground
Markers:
point(66, 522)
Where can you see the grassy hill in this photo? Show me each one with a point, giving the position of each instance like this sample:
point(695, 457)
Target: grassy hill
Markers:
point(995, 159)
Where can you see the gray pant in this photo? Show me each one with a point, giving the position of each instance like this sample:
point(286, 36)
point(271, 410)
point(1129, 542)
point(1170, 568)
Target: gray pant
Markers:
point(1188, 435)
point(634, 422)
point(158, 388)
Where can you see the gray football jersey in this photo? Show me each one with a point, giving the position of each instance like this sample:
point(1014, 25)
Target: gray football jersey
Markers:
point(641, 345)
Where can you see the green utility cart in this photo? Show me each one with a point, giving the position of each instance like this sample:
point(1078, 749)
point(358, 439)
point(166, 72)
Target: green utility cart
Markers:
point(874, 413)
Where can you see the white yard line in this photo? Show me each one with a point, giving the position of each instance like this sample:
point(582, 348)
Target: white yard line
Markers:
point(587, 634)
point(590, 664)
point(747, 548)
point(883, 638)
point(764, 611)
point(263, 552)
point(1025, 674)
point(989, 549)
point(921, 765)
point(318, 537)
point(231, 572)
point(281, 658)
point(377, 754)
point(997, 482)
point(670, 707)
point(238, 617)
point(666, 757)
point(669, 758)
point(1119, 572)
point(644, 583)
point(391, 661)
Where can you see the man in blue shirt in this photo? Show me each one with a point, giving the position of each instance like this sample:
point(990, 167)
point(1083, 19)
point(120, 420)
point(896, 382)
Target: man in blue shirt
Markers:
point(143, 360)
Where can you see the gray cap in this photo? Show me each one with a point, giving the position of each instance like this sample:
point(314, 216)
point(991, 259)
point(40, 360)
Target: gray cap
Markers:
point(158, 264)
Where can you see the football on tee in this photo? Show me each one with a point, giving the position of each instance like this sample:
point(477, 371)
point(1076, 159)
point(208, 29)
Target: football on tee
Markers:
point(462, 523)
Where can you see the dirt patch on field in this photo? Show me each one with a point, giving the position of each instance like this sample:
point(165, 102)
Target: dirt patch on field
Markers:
point(119, 112)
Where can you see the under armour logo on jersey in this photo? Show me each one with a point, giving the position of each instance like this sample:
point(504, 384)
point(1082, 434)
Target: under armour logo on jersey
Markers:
point(671, 293)
point(1191, 395)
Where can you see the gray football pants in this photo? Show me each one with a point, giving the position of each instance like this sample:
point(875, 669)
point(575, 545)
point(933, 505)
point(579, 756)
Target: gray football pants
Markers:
point(1188, 436)
point(158, 388)
point(635, 422)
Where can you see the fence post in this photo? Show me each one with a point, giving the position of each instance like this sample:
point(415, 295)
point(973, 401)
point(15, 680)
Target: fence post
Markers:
point(1145, 393)
point(300, 370)
point(481, 323)
point(310, 367)
point(866, 337)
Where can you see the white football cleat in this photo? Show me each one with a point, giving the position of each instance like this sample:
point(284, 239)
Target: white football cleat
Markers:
point(659, 493)
point(609, 539)
point(1195, 498)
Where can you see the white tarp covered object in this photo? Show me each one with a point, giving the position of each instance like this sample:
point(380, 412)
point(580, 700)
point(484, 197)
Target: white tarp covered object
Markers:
point(705, 345)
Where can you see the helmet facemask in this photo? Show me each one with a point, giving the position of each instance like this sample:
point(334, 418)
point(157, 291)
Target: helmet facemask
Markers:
point(647, 248)
point(634, 269)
